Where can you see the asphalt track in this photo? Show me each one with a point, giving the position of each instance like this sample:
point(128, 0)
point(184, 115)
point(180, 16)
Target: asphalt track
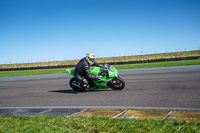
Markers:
point(165, 88)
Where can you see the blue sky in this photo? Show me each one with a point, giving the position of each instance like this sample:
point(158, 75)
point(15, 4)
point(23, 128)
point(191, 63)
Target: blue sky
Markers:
point(50, 30)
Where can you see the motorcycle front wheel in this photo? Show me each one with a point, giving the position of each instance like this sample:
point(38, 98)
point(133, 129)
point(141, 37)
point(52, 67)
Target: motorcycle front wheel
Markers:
point(117, 84)
point(75, 85)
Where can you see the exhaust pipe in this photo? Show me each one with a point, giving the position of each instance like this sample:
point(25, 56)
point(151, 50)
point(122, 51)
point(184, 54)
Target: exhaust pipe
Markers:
point(74, 84)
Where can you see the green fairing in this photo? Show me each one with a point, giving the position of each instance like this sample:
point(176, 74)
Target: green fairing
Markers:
point(112, 73)
point(95, 70)
point(71, 71)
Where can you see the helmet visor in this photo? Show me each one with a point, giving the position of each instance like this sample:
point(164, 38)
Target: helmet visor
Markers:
point(92, 60)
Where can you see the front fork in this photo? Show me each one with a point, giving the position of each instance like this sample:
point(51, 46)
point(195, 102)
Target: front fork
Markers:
point(113, 81)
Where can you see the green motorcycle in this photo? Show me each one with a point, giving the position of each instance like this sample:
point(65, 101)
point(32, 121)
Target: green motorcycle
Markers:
point(110, 79)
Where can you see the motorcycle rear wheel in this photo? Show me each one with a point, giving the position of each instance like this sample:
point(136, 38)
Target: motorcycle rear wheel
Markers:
point(118, 84)
point(75, 88)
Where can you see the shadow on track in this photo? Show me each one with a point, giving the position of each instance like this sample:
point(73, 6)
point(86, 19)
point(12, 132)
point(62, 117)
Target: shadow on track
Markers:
point(74, 92)
point(65, 91)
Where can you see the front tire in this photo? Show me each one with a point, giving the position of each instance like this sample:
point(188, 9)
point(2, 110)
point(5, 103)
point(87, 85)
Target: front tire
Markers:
point(117, 84)
point(75, 88)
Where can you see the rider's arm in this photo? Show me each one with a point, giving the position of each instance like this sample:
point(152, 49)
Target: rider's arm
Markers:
point(95, 64)
point(88, 74)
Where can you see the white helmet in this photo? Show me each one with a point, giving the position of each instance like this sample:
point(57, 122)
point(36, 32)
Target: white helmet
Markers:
point(90, 58)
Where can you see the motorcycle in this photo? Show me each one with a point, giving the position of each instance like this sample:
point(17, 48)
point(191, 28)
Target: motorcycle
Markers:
point(109, 79)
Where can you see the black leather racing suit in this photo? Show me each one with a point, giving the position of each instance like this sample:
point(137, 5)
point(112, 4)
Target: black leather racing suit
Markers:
point(82, 72)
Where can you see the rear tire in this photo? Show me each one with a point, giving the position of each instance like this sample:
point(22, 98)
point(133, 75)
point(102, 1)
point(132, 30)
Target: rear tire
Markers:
point(75, 88)
point(118, 84)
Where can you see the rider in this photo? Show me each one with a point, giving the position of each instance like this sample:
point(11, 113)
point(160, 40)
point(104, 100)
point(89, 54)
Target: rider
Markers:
point(82, 70)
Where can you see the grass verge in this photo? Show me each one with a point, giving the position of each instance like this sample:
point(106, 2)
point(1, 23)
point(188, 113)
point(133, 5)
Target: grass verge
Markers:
point(159, 64)
point(94, 124)
point(127, 66)
point(32, 72)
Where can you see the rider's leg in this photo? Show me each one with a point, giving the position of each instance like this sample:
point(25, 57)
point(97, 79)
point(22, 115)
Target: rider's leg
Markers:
point(84, 82)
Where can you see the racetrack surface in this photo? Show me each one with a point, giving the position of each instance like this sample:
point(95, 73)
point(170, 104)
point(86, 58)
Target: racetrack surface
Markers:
point(170, 87)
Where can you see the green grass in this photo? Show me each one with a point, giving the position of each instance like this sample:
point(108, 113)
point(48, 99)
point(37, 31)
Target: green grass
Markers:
point(128, 66)
point(159, 64)
point(32, 72)
point(78, 124)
